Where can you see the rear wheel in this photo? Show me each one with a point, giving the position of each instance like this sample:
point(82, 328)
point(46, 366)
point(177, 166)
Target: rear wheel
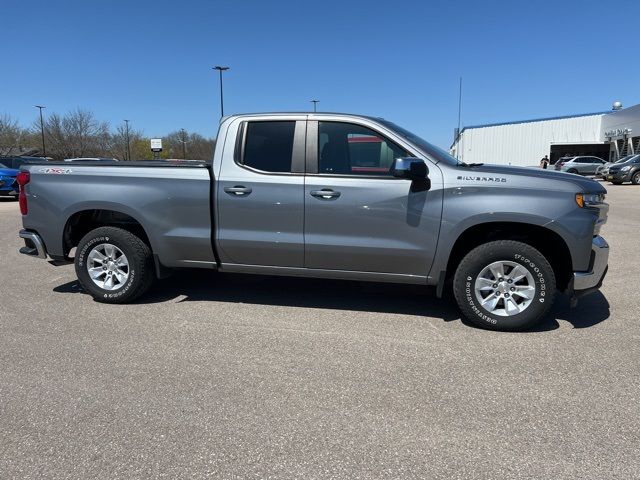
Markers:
point(114, 265)
point(636, 178)
point(572, 170)
point(504, 285)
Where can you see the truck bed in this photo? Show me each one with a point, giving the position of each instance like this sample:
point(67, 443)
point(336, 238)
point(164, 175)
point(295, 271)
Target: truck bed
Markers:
point(170, 200)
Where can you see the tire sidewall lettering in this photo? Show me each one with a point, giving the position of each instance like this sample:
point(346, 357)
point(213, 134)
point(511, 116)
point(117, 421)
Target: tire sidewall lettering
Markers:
point(82, 264)
point(523, 260)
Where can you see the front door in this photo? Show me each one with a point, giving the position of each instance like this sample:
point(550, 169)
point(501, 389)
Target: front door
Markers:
point(357, 216)
point(259, 197)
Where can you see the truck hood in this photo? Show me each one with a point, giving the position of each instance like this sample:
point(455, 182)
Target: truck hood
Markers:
point(550, 179)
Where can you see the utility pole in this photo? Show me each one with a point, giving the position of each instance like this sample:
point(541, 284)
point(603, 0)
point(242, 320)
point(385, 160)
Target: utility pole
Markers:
point(184, 144)
point(44, 150)
point(315, 102)
point(126, 122)
point(221, 69)
point(459, 104)
point(459, 116)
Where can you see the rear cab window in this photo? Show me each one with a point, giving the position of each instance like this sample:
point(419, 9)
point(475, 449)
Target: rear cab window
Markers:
point(268, 146)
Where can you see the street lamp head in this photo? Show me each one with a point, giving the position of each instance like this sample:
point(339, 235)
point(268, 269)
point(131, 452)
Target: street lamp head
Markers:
point(40, 106)
point(222, 69)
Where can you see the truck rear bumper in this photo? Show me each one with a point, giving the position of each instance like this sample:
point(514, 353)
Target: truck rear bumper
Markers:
point(592, 280)
point(33, 244)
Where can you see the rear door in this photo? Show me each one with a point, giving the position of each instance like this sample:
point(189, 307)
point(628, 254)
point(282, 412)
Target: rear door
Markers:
point(357, 216)
point(259, 194)
point(594, 163)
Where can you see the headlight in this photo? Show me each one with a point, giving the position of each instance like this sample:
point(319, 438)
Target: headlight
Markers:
point(625, 169)
point(588, 199)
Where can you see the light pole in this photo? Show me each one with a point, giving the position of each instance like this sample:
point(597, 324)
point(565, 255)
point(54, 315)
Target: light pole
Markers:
point(184, 144)
point(221, 69)
point(44, 150)
point(315, 102)
point(126, 123)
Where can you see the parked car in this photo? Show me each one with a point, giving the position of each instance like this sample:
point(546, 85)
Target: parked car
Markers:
point(581, 165)
point(16, 162)
point(603, 171)
point(628, 171)
point(8, 183)
point(91, 159)
point(294, 194)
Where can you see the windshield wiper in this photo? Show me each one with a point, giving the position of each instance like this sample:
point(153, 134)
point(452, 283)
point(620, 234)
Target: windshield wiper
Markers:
point(473, 164)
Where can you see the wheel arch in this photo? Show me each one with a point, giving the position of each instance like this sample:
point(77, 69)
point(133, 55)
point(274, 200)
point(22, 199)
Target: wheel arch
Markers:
point(82, 221)
point(548, 242)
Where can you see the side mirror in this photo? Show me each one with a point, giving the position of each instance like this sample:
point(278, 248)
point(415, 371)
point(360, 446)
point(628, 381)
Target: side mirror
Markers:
point(409, 167)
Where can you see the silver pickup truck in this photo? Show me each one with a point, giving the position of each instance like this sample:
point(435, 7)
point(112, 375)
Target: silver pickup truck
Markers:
point(325, 195)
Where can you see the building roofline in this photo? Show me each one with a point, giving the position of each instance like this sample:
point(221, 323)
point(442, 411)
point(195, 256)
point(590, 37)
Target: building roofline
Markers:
point(532, 120)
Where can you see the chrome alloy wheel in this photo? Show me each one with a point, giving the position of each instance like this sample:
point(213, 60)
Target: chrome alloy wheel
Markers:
point(505, 288)
point(108, 266)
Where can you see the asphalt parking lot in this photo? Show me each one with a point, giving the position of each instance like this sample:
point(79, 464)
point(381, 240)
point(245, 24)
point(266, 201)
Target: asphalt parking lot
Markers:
point(233, 376)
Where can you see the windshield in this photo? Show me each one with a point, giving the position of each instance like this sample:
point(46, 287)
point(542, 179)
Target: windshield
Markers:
point(437, 153)
point(2, 165)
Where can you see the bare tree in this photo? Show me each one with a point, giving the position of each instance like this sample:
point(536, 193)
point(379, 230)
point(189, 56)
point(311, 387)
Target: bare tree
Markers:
point(11, 135)
point(197, 146)
point(119, 144)
point(80, 134)
point(55, 137)
point(76, 134)
point(85, 135)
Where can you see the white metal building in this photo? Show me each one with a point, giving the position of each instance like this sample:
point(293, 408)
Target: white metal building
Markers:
point(608, 135)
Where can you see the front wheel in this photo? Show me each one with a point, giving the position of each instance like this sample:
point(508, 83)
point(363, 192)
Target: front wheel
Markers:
point(114, 265)
point(504, 285)
point(636, 178)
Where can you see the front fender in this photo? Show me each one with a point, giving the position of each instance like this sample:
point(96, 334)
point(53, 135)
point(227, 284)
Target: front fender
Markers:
point(555, 210)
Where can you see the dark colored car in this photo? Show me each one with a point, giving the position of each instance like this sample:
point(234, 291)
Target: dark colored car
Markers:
point(16, 162)
point(603, 171)
point(8, 184)
point(628, 171)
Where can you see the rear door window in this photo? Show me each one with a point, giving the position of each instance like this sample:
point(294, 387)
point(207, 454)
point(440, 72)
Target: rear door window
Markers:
point(268, 146)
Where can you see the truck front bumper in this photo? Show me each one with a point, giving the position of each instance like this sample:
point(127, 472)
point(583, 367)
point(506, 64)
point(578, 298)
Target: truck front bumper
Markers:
point(618, 177)
point(584, 282)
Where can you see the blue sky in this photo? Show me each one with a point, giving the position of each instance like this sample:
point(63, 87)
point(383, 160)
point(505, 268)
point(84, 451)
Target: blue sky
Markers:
point(150, 61)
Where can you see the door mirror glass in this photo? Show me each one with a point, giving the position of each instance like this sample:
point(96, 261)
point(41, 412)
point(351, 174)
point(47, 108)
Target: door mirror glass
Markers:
point(409, 167)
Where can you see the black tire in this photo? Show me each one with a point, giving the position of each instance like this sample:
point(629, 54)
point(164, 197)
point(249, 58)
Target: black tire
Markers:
point(617, 183)
point(519, 253)
point(635, 179)
point(572, 170)
point(140, 264)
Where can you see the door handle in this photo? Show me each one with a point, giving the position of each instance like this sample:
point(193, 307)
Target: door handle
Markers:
point(238, 190)
point(325, 193)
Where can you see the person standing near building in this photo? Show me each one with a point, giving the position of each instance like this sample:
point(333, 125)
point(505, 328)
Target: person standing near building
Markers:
point(544, 162)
